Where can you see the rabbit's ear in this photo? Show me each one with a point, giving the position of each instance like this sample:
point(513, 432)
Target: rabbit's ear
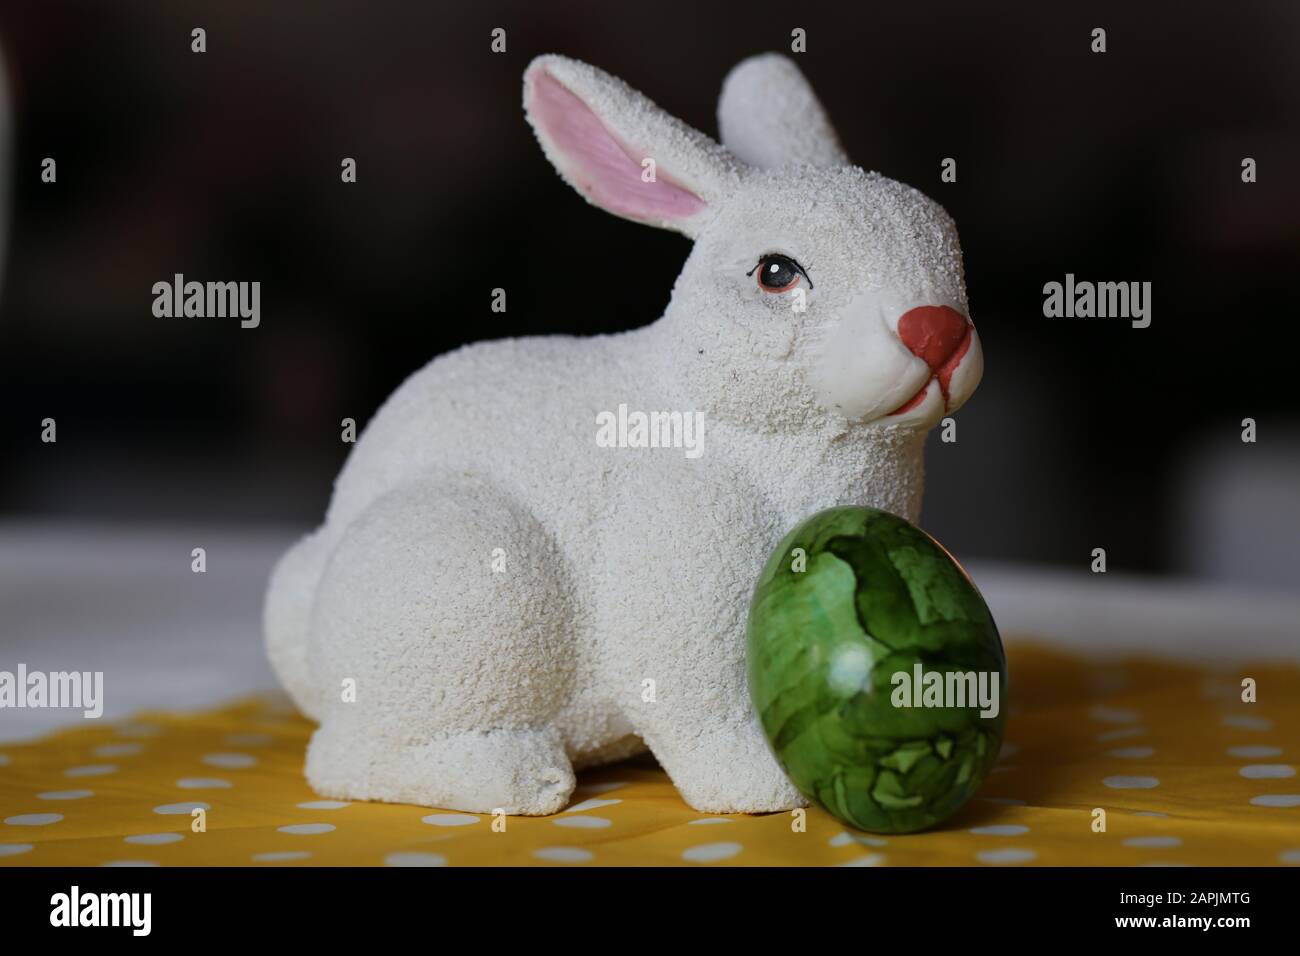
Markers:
point(623, 153)
point(770, 117)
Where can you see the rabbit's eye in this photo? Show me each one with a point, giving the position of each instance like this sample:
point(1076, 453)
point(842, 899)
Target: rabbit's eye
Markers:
point(778, 273)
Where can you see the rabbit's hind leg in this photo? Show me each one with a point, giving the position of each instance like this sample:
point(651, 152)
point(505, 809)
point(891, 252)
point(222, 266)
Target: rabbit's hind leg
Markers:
point(496, 771)
point(443, 651)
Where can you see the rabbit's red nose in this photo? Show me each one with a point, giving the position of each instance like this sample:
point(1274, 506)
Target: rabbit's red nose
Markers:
point(933, 333)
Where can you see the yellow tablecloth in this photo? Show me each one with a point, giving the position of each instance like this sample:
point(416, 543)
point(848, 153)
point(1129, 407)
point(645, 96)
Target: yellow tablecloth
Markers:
point(1186, 772)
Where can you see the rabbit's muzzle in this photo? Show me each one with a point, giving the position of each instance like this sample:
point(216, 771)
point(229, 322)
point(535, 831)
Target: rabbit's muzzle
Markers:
point(940, 336)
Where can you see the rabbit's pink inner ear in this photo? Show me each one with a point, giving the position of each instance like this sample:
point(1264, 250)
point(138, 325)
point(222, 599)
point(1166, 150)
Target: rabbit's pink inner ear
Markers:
point(601, 167)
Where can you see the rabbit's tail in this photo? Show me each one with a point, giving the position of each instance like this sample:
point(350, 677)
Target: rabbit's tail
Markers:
point(289, 600)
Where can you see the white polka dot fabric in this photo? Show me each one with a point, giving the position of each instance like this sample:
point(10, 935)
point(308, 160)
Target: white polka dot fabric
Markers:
point(1132, 764)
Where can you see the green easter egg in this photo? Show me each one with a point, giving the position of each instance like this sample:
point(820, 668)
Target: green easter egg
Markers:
point(876, 670)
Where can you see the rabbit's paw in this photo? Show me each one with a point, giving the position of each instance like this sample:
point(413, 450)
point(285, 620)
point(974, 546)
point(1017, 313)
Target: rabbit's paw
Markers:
point(730, 770)
point(517, 772)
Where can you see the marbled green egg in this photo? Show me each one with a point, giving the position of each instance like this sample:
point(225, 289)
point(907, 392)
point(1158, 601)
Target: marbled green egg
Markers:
point(876, 670)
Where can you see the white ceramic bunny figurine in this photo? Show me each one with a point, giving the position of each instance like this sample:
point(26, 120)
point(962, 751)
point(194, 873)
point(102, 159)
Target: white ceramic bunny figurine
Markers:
point(497, 598)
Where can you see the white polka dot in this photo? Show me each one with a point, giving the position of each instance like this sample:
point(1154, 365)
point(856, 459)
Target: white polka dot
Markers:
point(323, 805)
point(1254, 753)
point(203, 783)
point(563, 854)
point(1002, 829)
point(870, 840)
point(1131, 753)
point(281, 856)
point(249, 740)
point(1120, 734)
point(846, 838)
point(1113, 715)
point(1276, 800)
point(711, 852)
point(601, 787)
point(871, 859)
point(592, 804)
point(118, 750)
point(14, 849)
point(1154, 841)
point(1008, 750)
point(91, 770)
point(130, 863)
point(65, 794)
point(1289, 856)
point(307, 829)
point(1006, 855)
point(1004, 801)
point(181, 808)
point(1267, 771)
point(34, 819)
point(155, 839)
point(138, 730)
point(1131, 783)
point(450, 819)
point(1243, 722)
point(584, 823)
point(229, 761)
point(704, 821)
point(415, 859)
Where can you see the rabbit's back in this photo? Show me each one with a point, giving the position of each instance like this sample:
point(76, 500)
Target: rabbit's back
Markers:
point(522, 411)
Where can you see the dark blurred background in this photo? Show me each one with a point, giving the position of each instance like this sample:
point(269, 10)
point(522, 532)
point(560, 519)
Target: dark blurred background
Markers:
point(225, 166)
